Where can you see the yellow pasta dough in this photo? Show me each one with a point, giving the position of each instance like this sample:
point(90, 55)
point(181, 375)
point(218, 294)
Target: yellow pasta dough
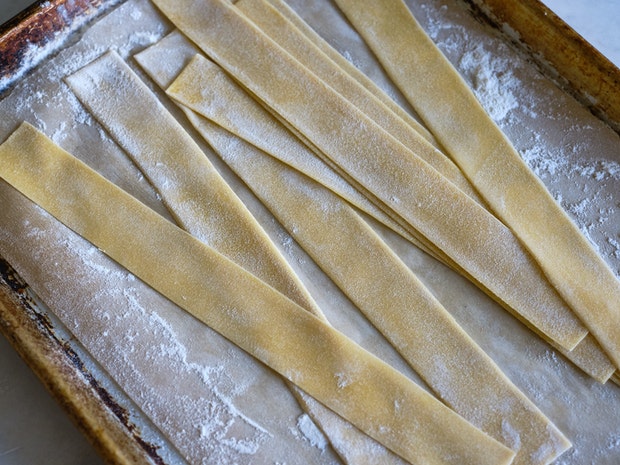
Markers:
point(458, 226)
point(225, 103)
point(349, 380)
point(448, 106)
point(276, 26)
point(394, 300)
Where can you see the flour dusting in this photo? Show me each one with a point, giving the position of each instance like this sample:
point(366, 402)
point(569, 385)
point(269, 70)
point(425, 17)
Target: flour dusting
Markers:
point(311, 432)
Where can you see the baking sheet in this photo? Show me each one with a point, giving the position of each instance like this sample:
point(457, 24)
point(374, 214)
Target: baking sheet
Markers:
point(40, 30)
point(94, 402)
point(562, 53)
point(130, 330)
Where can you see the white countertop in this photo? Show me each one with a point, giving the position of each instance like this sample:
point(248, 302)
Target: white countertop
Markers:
point(595, 20)
point(33, 429)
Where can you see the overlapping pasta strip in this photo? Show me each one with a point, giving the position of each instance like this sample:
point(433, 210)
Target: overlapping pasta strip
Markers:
point(457, 225)
point(394, 300)
point(349, 380)
point(194, 192)
point(450, 109)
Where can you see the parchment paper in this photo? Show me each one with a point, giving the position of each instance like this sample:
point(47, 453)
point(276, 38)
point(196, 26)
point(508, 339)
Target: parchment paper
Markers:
point(153, 350)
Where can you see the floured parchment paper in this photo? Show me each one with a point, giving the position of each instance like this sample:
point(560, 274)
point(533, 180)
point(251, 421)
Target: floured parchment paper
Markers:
point(211, 400)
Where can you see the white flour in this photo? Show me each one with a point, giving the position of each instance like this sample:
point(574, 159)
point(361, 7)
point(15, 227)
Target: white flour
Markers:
point(575, 155)
point(158, 357)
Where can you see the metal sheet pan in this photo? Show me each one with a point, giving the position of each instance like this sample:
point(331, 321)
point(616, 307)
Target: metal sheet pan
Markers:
point(100, 410)
point(39, 31)
point(47, 26)
point(67, 372)
point(560, 52)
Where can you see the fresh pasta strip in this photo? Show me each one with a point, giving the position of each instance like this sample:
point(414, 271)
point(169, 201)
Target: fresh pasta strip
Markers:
point(194, 192)
point(303, 27)
point(393, 300)
point(282, 31)
point(203, 83)
point(450, 109)
point(299, 346)
point(462, 229)
point(590, 358)
point(243, 116)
